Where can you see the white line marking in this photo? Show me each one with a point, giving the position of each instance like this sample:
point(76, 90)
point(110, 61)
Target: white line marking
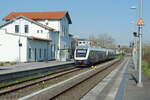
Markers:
point(112, 93)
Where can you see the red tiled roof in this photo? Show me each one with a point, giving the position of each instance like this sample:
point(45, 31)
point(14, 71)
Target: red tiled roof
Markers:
point(35, 22)
point(38, 15)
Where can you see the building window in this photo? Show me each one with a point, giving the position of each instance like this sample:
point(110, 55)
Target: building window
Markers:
point(40, 52)
point(29, 53)
point(16, 28)
point(62, 31)
point(41, 31)
point(26, 28)
point(44, 53)
point(37, 31)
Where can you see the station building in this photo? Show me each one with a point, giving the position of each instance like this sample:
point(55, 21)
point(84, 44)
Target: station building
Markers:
point(83, 42)
point(35, 36)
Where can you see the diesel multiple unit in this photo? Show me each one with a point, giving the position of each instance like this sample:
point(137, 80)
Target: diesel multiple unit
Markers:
point(87, 55)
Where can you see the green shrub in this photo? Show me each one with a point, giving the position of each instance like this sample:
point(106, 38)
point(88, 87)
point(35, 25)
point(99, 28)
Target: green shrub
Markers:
point(7, 63)
point(13, 63)
point(146, 68)
point(147, 58)
point(1, 64)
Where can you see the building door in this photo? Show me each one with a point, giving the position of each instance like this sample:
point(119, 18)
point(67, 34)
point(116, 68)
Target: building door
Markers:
point(35, 55)
point(51, 52)
point(54, 52)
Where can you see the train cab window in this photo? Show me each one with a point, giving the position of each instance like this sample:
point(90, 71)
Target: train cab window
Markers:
point(81, 52)
point(80, 42)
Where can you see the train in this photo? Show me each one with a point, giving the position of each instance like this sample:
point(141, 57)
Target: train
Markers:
point(88, 55)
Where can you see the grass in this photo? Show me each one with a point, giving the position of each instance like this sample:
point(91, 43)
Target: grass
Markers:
point(1, 64)
point(7, 63)
point(146, 68)
point(119, 57)
point(146, 61)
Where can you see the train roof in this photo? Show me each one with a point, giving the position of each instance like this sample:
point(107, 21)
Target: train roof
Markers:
point(96, 48)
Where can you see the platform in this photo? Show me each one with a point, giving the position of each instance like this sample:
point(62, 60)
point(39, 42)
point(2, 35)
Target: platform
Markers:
point(121, 84)
point(31, 66)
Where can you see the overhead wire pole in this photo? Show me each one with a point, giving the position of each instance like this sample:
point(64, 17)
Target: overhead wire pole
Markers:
point(140, 30)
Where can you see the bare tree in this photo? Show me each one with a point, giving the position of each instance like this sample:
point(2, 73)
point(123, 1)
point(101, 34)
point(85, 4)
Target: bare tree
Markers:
point(103, 40)
point(93, 40)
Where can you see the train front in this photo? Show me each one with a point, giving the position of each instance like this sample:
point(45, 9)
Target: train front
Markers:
point(81, 56)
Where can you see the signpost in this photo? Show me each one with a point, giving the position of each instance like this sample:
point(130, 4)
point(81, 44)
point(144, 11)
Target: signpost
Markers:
point(140, 25)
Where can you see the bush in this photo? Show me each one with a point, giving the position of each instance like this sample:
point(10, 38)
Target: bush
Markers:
point(147, 58)
point(1, 64)
point(146, 68)
point(7, 63)
point(146, 61)
point(13, 63)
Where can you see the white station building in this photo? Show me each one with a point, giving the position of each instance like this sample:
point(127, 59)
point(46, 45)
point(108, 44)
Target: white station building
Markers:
point(83, 42)
point(35, 36)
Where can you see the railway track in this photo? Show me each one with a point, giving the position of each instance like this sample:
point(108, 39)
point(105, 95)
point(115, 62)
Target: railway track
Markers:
point(30, 82)
point(11, 79)
point(11, 92)
point(22, 89)
point(77, 91)
point(58, 91)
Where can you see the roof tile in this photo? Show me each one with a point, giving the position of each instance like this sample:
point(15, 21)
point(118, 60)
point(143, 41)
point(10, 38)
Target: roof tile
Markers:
point(37, 15)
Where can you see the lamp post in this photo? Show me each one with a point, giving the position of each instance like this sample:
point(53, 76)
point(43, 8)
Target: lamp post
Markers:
point(140, 25)
point(134, 51)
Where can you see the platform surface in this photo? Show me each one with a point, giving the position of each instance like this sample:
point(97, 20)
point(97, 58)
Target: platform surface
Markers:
point(121, 84)
point(30, 66)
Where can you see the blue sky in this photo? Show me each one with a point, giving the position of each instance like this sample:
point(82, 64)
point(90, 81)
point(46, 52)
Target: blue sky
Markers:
point(112, 17)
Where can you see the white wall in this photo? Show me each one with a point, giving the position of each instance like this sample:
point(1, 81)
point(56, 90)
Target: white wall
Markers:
point(32, 29)
point(38, 45)
point(55, 24)
point(63, 27)
point(9, 48)
point(12, 40)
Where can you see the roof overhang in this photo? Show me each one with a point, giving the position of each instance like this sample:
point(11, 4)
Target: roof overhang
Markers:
point(32, 21)
point(37, 38)
point(68, 17)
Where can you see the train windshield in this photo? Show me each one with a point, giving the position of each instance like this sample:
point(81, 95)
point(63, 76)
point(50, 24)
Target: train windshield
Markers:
point(81, 52)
